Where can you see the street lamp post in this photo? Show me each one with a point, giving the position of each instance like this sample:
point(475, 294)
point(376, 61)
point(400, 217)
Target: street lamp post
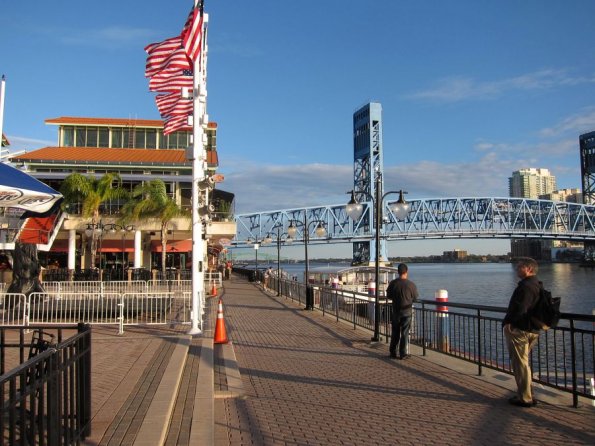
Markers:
point(320, 232)
point(279, 240)
point(256, 246)
point(400, 209)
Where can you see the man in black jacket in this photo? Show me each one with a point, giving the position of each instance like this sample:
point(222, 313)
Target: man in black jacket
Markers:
point(403, 293)
point(521, 334)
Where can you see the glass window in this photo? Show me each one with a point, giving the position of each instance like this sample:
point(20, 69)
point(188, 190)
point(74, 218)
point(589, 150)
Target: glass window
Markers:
point(139, 136)
point(151, 142)
point(182, 140)
point(80, 137)
point(103, 137)
point(161, 140)
point(67, 136)
point(91, 137)
point(126, 138)
point(117, 138)
point(172, 140)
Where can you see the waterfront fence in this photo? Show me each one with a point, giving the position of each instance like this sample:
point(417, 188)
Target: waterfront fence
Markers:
point(563, 357)
point(46, 399)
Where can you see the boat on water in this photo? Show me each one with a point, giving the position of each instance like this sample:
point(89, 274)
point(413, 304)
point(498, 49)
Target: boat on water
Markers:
point(359, 279)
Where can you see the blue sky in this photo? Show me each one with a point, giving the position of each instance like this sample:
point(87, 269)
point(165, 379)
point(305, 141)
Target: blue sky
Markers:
point(471, 90)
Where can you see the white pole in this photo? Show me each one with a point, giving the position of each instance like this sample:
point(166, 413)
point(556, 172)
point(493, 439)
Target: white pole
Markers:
point(137, 248)
point(200, 119)
point(71, 249)
point(2, 89)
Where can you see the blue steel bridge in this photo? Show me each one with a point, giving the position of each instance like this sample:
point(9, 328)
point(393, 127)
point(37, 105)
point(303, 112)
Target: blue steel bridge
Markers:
point(431, 218)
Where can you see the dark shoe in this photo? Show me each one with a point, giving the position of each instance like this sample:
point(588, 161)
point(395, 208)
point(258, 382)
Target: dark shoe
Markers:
point(404, 357)
point(515, 401)
point(392, 356)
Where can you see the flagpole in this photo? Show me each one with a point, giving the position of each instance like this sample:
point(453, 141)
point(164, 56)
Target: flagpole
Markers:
point(2, 89)
point(200, 119)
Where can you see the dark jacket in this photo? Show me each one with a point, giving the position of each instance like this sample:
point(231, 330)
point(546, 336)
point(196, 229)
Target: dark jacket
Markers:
point(403, 293)
point(523, 299)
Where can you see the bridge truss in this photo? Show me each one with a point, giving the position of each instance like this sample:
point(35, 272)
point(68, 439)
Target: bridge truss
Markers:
point(433, 218)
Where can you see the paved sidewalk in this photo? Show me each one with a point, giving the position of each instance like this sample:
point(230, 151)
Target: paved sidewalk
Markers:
point(291, 377)
point(309, 380)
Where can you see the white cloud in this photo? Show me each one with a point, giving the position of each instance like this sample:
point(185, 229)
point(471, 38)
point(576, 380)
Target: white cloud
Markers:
point(273, 187)
point(457, 89)
point(581, 122)
point(111, 37)
point(18, 143)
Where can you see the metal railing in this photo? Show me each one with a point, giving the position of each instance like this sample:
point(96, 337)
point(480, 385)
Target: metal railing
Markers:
point(119, 275)
point(563, 357)
point(155, 305)
point(47, 398)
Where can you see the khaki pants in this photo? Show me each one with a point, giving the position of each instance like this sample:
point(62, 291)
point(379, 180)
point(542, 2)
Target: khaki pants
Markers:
point(520, 344)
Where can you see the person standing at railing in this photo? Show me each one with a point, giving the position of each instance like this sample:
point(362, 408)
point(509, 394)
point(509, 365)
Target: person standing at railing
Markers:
point(521, 334)
point(403, 292)
point(267, 278)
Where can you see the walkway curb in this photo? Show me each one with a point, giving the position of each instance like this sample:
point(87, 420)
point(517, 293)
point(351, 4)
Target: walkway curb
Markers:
point(156, 423)
point(235, 387)
point(202, 431)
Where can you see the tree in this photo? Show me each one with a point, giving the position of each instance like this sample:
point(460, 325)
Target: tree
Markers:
point(91, 193)
point(150, 201)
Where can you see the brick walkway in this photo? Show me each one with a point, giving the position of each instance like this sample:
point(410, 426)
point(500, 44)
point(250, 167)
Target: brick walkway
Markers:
point(310, 380)
point(291, 377)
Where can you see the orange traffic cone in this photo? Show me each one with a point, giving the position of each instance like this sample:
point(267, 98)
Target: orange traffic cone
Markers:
point(214, 290)
point(220, 333)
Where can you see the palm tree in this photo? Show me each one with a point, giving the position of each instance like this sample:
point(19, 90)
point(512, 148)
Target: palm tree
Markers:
point(91, 192)
point(150, 201)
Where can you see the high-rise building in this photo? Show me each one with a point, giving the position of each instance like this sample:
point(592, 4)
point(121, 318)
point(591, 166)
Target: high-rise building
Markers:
point(531, 183)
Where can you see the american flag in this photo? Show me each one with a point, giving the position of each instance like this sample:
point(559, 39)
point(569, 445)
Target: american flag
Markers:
point(170, 82)
point(175, 123)
point(181, 106)
point(166, 99)
point(192, 32)
point(164, 48)
point(176, 60)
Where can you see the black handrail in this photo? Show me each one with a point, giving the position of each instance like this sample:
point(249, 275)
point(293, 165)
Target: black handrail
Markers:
point(47, 398)
point(472, 333)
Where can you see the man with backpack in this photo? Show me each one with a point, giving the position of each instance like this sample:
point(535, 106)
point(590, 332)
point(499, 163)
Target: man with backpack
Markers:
point(520, 331)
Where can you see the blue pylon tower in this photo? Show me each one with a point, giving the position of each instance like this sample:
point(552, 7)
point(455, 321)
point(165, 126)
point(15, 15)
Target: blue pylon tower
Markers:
point(367, 173)
point(587, 152)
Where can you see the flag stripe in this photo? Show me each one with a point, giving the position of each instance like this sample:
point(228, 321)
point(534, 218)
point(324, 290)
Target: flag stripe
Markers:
point(170, 82)
point(192, 33)
point(175, 123)
point(177, 60)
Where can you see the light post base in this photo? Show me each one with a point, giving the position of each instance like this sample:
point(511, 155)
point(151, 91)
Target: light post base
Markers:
point(194, 331)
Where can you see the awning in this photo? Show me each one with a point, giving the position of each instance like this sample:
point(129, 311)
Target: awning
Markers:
point(61, 245)
point(172, 246)
point(20, 190)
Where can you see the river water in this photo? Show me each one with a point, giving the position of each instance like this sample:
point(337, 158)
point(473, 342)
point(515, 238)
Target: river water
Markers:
point(490, 283)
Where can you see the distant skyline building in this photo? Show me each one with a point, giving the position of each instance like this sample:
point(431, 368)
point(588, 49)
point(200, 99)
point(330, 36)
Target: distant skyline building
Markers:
point(531, 183)
point(569, 195)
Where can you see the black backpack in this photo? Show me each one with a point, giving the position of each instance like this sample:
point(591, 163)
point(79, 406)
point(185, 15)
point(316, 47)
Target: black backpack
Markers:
point(546, 312)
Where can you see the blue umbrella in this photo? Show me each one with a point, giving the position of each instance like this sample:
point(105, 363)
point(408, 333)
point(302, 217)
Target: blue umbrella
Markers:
point(20, 190)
